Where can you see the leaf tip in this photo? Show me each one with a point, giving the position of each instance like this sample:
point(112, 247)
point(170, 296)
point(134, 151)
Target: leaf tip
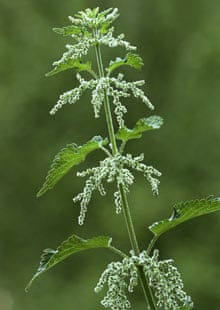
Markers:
point(48, 74)
point(58, 30)
point(40, 192)
point(27, 288)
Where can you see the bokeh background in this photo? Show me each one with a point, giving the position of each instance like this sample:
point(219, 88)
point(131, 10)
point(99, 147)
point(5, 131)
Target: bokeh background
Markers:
point(180, 44)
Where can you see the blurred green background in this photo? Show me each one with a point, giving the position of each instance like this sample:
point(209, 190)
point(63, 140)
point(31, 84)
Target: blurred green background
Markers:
point(180, 44)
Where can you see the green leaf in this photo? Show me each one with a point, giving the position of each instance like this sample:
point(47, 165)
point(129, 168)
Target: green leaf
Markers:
point(70, 64)
point(68, 30)
point(144, 124)
point(67, 158)
point(132, 60)
point(73, 244)
point(185, 211)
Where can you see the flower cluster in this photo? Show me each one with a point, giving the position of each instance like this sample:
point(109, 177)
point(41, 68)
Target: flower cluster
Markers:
point(115, 276)
point(115, 87)
point(93, 19)
point(119, 87)
point(114, 168)
point(163, 277)
point(133, 87)
point(90, 28)
point(76, 51)
point(109, 40)
point(98, 95)
point(148, 171)
point(73, 95)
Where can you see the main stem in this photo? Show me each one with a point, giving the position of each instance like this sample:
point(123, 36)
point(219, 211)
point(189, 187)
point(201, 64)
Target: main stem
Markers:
point(125, 207)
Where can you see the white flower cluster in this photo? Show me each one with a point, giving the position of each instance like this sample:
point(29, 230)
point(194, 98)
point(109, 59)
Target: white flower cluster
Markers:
point(134, 87)
point(76, 51)
point(113, 169)
point(115, 87)
point(97, 25)
point(148, 171)
point(109, 40)
point(92, 19)
point(163, 277)
point(73, 95)
point(120, 109)
point(98, 95)
point(119, 87)
point(115, 276)
point(91, 28)
point(84, 42)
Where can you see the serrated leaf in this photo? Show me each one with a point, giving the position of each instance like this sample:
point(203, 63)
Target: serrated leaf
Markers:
point(185, 211)
point(76, 64)
point(132, 60)
point(72, 245)
point(67, 158)
point(144, 124)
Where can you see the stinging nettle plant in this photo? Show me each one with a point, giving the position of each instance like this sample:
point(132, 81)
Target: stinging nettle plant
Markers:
point(161, 282)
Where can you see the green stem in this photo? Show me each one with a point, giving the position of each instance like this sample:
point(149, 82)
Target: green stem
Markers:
point(117, 251)
point(128, 220)
point(151, 245)
point(146, 289)
point(106, 104)
point(126, 211)
point(93, 74)
point(122, 146)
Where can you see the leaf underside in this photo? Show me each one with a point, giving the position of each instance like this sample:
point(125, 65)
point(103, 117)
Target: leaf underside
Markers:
point(144, 124)
point(66, 159)
point(72, 245)
point(185, 211)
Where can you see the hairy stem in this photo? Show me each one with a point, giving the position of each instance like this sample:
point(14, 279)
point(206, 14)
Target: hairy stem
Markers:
point(126, 211)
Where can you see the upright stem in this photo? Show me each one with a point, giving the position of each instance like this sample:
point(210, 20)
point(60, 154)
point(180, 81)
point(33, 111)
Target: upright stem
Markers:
point(106, 104)
point(126, 211)
point(128, 219)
